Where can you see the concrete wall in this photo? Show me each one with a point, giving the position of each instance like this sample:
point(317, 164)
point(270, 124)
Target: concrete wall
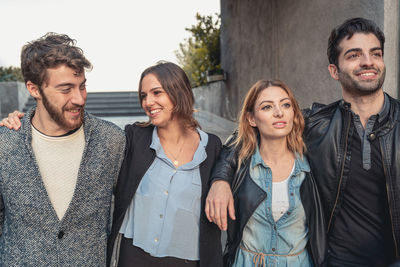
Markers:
point(391, 57)
point(13, 96)
point(212, 98)
point(286, 39)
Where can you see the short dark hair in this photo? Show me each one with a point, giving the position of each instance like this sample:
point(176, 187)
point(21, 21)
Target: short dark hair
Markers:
point(176, 84)
point(347, 29)
point(50, 51)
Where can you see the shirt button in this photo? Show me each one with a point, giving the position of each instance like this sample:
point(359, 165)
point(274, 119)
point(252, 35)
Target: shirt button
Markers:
point(156, 240)
point(166, 192)
point(60, 234)
point(161, 216)
point(273, 249)
point(288, 213)
point(291, 194)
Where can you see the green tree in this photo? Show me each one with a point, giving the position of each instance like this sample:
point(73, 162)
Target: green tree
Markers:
point(202, 51)
point(10, 74)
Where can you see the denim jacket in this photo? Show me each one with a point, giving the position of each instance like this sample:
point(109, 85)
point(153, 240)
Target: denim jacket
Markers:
point(248, 196)
point(265, 240)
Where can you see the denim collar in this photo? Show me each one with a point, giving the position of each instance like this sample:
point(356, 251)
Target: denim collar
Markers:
point(301, 163)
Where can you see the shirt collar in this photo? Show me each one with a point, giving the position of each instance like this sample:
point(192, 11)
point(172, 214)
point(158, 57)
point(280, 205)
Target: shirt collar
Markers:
point(199, 156)
point(301, 163)
point(381, 114)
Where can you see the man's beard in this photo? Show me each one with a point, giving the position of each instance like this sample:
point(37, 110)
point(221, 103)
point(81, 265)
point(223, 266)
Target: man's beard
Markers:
point(58, 115)
point(362, 88)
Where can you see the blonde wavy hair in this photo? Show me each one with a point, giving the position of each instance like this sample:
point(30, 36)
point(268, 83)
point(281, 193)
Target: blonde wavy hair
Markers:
point(246, 140)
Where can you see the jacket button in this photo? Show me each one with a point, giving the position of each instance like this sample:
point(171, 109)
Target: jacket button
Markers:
point(372, 136)
point(273, 249)
point(288, 213)
point(60, 234)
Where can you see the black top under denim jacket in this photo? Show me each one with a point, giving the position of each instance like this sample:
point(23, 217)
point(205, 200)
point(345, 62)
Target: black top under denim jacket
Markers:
point(327, 132)
point(248, 196)
point(138, 158)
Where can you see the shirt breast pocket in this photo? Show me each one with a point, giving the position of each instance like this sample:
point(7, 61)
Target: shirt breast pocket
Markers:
point(191, 197)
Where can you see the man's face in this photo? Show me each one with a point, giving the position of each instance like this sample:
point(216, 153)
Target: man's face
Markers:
point(63, 98)
point(360, 70)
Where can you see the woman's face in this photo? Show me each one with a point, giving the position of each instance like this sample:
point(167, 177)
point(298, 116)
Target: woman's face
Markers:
point(155, 101)
point(272, 113)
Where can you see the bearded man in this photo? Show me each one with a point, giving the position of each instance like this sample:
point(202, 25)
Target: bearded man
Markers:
point(57, 173)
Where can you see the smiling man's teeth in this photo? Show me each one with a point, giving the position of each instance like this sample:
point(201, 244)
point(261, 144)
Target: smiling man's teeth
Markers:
point(368, 74)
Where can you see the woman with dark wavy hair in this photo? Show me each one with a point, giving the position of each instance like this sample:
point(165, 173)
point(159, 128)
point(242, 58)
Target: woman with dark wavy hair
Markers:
point(279, 218)
point(159, 217)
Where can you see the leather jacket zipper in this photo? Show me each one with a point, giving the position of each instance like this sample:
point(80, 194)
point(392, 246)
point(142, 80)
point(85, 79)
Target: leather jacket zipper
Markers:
point(341, 172)
point(388, 198)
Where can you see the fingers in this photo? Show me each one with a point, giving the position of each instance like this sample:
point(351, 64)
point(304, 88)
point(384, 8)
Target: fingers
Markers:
point(231, 209)
point(5, 122)
point(218, 199)
point(208, 209)
point(13, 120)
point(223, 221)
point(19, 114)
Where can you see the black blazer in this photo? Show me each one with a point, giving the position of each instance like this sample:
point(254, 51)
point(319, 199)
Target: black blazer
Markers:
point(138, 158)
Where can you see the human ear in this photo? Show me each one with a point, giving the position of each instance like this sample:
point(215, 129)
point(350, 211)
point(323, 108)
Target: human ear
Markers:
point(251, 120)
point(334, 71)
point(33, 89)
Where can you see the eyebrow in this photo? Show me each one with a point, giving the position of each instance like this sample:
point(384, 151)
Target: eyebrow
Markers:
point(269, 101)
point(359, 49)
point(154, 88)
point(69, 84)
point(151, 90)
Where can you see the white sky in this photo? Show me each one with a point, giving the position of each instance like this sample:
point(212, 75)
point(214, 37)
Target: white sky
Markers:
point(120, 37)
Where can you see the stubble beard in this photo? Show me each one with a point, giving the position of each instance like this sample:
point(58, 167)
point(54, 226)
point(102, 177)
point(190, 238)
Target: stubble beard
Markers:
point(58, 116)
point(357, 88)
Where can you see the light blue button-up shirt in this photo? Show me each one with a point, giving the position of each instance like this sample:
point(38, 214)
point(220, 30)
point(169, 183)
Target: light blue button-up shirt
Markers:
point(288, 235)
point(164, 215)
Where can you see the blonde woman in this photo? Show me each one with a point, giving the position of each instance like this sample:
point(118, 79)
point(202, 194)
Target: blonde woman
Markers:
point(279, 220)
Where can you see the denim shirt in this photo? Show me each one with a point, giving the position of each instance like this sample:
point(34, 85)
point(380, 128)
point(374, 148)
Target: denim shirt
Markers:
point(281, 243)
point(164, 215)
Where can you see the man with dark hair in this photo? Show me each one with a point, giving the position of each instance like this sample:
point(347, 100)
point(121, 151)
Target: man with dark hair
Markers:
point(57, 173)
point(352, 146)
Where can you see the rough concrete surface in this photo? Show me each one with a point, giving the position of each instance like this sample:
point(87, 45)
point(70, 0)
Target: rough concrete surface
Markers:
point(286, 39)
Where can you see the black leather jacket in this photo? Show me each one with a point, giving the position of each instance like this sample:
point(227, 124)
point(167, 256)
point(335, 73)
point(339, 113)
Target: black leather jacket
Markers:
point(248, 196)
point(327, 130)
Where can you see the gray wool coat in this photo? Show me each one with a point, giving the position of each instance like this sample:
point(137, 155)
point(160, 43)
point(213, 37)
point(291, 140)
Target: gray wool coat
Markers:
point(31, 233)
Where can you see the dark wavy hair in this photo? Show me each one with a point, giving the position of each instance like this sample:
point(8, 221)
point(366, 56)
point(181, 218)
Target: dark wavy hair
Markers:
point(50, 51)
point(176, 84)
point(247, 135)
point(346, 30)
